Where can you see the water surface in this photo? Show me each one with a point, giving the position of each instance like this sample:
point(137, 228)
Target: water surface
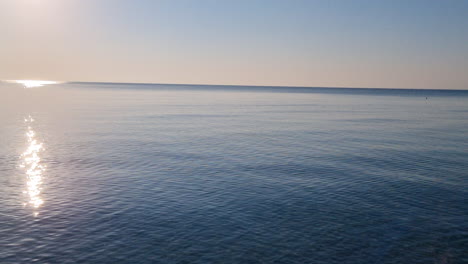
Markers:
point(124, 173)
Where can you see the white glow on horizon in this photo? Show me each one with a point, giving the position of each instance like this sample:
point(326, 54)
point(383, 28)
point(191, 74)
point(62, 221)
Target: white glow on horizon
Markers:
point(33, 83)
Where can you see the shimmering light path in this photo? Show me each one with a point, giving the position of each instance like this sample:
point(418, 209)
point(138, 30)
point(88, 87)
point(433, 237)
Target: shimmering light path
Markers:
point(34, 169)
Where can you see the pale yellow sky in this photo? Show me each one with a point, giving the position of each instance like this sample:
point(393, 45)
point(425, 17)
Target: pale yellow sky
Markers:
point(303, 43)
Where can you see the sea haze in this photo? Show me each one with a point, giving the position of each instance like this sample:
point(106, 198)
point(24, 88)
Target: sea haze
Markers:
point(126, 173)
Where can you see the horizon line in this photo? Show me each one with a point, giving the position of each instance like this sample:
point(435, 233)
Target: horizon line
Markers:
point(243, 85)
point(262, 86)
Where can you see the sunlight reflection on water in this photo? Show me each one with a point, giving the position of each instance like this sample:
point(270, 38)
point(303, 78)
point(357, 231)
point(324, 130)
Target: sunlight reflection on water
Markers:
point(34, 169)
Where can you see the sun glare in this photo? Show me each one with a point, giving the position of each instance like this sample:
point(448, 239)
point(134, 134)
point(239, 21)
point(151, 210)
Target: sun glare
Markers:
point(33, 83)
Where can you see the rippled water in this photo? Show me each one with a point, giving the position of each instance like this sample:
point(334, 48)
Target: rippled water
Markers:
point(121, 173)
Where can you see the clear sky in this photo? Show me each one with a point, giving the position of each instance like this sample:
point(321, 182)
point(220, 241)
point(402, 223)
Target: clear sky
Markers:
point(347, 43)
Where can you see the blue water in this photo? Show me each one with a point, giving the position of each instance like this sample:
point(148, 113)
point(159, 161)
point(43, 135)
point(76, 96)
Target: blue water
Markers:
point(225, 174)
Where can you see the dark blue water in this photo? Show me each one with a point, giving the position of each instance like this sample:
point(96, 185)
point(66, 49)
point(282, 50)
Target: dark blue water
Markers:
point(205, 174)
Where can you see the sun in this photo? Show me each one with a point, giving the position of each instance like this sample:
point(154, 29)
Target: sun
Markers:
point(33, 83)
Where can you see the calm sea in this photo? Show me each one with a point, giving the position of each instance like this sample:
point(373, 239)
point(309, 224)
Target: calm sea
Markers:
point(126, 173)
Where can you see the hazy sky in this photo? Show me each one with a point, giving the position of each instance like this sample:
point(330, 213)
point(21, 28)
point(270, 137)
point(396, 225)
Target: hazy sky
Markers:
point(400, 44)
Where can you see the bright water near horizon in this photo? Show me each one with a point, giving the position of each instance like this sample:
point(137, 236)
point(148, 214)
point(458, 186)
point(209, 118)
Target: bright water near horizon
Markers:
point(122, 173)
